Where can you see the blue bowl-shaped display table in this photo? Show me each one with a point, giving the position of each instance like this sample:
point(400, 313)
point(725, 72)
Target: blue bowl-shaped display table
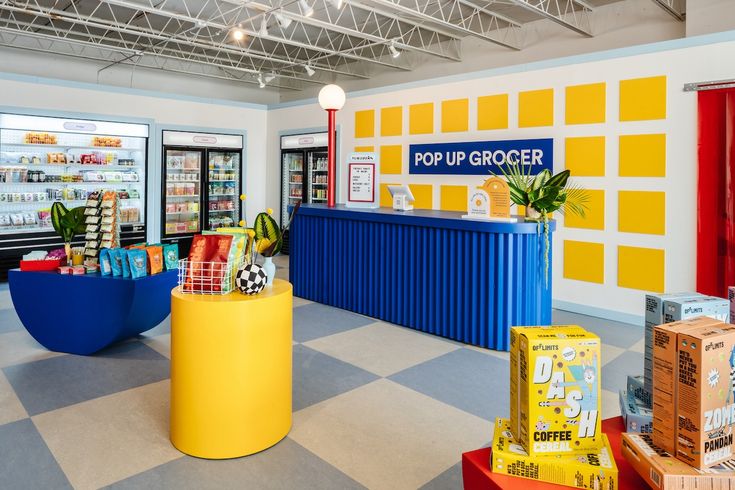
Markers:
point(84, 314)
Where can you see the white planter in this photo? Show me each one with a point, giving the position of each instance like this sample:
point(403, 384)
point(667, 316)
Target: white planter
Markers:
point(270, 270)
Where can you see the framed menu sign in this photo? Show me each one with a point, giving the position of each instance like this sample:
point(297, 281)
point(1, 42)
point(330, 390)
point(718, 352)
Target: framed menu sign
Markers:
point(362, 180)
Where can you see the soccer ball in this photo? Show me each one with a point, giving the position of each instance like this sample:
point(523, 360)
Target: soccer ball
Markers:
point(250, 279)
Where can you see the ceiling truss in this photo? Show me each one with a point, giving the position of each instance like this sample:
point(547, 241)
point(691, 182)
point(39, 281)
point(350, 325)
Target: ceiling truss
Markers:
point(675, 8)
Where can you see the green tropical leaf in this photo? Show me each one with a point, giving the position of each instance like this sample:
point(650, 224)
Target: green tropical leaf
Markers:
point(559, 179)
point(541, 179)
point(266, 228)
point(58, 210)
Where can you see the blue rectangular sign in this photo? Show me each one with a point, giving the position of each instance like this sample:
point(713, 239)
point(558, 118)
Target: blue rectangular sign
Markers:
point(480, 157)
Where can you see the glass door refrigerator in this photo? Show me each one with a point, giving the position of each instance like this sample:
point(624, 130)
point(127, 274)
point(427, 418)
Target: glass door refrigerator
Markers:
point(303, 174)
point(45, 159)
point(201, 185)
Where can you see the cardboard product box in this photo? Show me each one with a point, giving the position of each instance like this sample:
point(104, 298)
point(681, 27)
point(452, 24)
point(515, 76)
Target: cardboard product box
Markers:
point(706, 395)
point(559, 386)
point(664, 472)
point(731, 299)
point(686, 308)
point(635, 389)
point(515, 399)
point(665, 372)
point(636, 417)
point(594, 469)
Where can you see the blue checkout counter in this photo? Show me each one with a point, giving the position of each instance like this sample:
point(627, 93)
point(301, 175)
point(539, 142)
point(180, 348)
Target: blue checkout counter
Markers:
point(429, 270)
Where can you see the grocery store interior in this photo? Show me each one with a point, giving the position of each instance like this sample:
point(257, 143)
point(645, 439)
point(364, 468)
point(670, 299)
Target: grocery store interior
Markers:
point(281, 244)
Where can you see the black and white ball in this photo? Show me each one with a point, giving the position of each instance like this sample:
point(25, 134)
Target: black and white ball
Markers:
point(250, 279)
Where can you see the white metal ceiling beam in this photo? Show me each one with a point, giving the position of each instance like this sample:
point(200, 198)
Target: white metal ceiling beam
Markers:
point(572, 14)
point(674, 8)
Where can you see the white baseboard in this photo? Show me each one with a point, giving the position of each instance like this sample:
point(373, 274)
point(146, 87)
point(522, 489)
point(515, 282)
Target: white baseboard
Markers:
point(637, 320)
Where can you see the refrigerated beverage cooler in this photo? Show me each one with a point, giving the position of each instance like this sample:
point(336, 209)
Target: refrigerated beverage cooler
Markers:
point(45, 159)
point(303, 174)
point(201, 185)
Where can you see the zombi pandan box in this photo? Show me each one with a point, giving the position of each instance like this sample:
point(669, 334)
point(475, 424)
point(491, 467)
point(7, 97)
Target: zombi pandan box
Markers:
point(594, 469)
point(559, 391)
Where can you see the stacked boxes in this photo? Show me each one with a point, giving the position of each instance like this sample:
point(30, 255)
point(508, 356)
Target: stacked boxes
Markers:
point(636, 389)
point(636, 416)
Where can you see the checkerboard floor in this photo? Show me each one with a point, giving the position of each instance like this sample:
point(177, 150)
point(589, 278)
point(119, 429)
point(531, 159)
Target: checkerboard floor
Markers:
point(375, 406)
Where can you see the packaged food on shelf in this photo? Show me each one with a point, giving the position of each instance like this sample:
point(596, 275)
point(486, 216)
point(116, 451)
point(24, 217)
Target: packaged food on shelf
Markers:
point(108, 141)
point(35, 138)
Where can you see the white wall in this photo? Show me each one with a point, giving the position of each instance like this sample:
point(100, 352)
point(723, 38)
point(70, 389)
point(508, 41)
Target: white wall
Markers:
point(47, 96)
point(708, 62)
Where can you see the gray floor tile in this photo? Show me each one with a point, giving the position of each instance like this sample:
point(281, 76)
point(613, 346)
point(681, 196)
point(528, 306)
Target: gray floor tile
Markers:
point(622, 335)
point(448, 480)
point(25, 460)
point(317, 377)
point(614, 373)
point(9, 321)
point(61, 381)
point(466, 379)
point(285, 465)
point(316, 320)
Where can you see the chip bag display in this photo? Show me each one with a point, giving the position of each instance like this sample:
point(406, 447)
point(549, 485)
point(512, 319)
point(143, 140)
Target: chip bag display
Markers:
point(115, 262)
point(105, 266)
point(124, 263)
point(155, 259)
point(171, 256)
point(208, 262)
point(138, 263)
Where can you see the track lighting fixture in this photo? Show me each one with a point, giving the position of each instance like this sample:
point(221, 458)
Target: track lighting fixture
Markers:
point(309, 70)
point(238, 34)
point(261, 83)
point(263, 32)
point(282, 20)
point(337, 4)
point(393, 51)
point(270, 77)
point(306, 9)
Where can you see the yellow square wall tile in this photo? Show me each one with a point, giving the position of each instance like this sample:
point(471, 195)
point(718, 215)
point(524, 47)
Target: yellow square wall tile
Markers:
point(391, 159)
point(642, 155)
point(492, 112)
point(455, 115)
point(584, 261)
point(453, 198)
point(585, 104)
point(641, 268)
point(391, 121)
point(536, 108)
point(585, 156)
point(421, 118)
point(364, 149)
point(424, 195)
point(386, 201)
point(594, 216)
point(365, 124)
point(642, 212)
point(643, 99)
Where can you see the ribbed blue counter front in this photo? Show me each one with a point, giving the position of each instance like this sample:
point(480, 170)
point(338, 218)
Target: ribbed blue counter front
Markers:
point(428, 270)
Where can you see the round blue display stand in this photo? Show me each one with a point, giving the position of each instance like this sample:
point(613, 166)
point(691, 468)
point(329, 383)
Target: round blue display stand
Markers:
point(84, 314)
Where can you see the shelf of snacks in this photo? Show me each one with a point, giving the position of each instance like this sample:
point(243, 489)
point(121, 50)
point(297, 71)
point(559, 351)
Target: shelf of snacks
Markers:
point(73, 147)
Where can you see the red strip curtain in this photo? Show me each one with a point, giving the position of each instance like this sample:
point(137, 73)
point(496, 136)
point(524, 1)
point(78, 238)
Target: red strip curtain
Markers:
point(716, 192)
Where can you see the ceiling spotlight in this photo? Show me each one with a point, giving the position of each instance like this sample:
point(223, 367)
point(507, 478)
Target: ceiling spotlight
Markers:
point(306, 9)
point(336, 4)
point(270, 77)
point(263, 32)
point(309, 70)
point(393, 51)
point(261, 83)
point(238, 34)
point(283, 21)
point(201, 23)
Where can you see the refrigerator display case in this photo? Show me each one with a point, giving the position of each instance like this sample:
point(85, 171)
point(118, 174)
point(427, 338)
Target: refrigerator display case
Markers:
point(202, 188)
point(303, 173)
point(45, 159)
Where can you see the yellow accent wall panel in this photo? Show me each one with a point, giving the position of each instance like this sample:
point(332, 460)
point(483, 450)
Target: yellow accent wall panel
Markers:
point(421, 118)
point(585, 156)
point(492, 112)
point(585, 104)
point(424, 195)
point(584, 261)
point(594, 216)
point(391, 121)
point(536, 108)
point(453, 198)
point(642, 212)
point(641, 268)
point(391, 159)
point(365, 124)
point(643, 99)
point(642, 155)
point(364, 149)
point(386, 201)
point(455, 115)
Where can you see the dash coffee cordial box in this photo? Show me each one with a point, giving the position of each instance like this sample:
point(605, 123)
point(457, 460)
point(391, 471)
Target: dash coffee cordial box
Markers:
point(685, 308)
point(594, 469)
point(665, 373)
point(515, 399)
point(637, 418)
point(664, 472)
point(706, 395)
point(559, 385)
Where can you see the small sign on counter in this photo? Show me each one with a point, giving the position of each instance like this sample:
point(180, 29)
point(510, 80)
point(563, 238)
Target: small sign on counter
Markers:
point(362, 180)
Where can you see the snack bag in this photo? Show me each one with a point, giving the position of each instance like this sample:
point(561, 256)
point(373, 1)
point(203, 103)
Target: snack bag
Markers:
point(155, 259)
point(171, 256)
point(207, 262)
point(124, 262)
point(138, 263)
point(115, 262)
point(235, 256)
point(105, 266)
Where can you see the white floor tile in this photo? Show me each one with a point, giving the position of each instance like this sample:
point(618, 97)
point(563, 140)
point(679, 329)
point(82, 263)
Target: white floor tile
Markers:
point(19, 347)
point(11, 409)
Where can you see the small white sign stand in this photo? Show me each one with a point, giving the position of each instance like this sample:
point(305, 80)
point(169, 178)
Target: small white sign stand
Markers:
point(363, 181)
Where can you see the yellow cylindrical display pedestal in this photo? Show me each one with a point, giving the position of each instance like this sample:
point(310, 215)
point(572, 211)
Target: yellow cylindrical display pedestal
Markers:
point(231, 371)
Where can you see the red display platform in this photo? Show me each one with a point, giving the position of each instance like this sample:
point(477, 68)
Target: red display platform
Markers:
point(476, 473)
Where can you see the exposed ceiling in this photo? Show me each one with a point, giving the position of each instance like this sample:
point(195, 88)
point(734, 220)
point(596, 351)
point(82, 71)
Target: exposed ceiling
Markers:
point(282, 44)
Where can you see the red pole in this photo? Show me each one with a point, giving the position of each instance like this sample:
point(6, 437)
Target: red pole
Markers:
point(331, 159)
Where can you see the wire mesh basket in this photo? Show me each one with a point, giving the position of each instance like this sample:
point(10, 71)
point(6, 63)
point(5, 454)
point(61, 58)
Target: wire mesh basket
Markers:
point(206, 277)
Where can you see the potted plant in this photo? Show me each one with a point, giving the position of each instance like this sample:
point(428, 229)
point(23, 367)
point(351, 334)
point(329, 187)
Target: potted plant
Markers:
point(67, 223)
point(269, 239)
point(544, 194)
